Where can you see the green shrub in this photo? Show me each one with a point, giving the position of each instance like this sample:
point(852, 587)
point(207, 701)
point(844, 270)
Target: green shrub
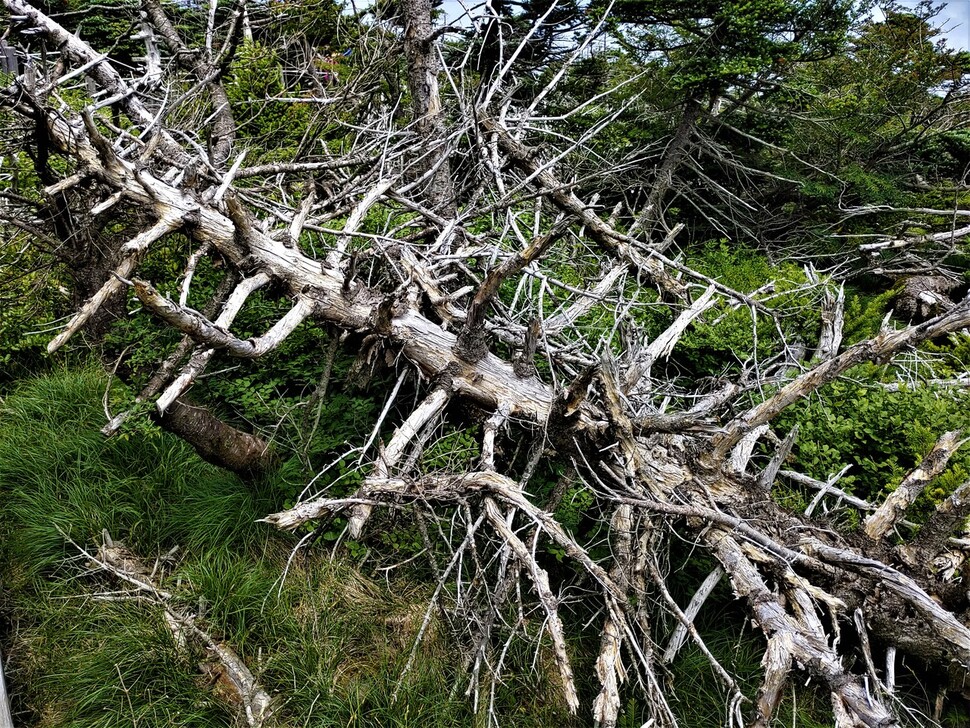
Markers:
point(881, 433)
point(725, 336)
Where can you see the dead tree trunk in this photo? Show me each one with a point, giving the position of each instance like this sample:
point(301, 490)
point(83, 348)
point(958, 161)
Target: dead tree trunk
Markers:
point(423, 70)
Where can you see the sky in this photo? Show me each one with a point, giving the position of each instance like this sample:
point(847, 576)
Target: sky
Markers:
point(954, 20)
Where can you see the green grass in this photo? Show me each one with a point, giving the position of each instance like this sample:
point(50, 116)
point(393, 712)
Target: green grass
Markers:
point(328, 641)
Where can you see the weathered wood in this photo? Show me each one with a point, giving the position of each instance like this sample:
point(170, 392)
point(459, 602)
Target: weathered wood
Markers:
point(663, 345)
point(777, 665)
point(953, 634)
point(200, 359)
point(796, 640)
point(197, 326)
point(884, 345)
point(550, 603)
point(567, 201)
point(880, 522)
point(827, 488)
point(767, 477)
point(391, 455)
point(6, 717)
point(609, 662)
point(98, 69)
point(939, 527)
point(679, 634)
point(833, 321)
point(136, 249)
point(645, 459)
point(472, 344)
point(741, 455)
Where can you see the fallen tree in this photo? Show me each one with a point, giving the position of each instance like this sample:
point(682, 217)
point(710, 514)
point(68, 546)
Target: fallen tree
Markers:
point(455, 284)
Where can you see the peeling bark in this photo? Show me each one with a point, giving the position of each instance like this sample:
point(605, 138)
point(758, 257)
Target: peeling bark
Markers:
point(215, 441)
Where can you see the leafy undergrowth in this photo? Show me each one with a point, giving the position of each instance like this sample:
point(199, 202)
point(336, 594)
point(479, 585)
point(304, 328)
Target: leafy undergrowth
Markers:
point(881, 433)
point(329, 642)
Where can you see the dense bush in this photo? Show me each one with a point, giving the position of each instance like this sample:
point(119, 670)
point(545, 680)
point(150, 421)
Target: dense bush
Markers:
point(882, 432)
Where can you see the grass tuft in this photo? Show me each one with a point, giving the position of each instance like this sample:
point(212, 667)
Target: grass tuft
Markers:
point(328, 641)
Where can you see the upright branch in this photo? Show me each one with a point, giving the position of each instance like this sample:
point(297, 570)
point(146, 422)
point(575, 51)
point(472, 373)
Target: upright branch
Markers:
point(472, 345)
point(429, 119)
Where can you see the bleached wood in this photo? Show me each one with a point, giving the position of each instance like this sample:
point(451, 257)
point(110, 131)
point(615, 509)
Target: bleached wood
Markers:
point(121, 563)
point(299, 219)
point(827, 488)
point(200, 359)
point(550, 604)
point(886, 343)
point(944, 623)
point(136, 248)
point(563, 319)
point(189, 274)
point(662, 346)
point(335, 258)
point(890, 673)
point(153, 58)
point(227, 180)
point(880, 522)
point(609, 662)
point(898, 243)
point(800, 642)
point(768, 475)
point(106, 204)
point(642, 455)
point(833, 322)
point(567, 201)
point(66, 183)
point(679, 634)
point(194, 324)
point(659, 582)
point(102, 73)
point(492, 425)
point(391, 455)
point(776, 664)
point(741, 455)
